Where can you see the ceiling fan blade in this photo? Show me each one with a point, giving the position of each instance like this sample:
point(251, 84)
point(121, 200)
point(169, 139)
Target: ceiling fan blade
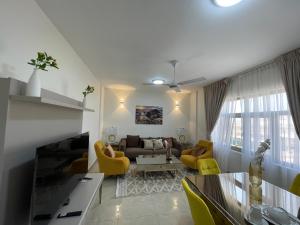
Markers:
point(196, 80)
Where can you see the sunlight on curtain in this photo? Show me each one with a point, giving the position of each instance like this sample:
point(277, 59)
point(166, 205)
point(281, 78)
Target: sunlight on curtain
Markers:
point(256, 108)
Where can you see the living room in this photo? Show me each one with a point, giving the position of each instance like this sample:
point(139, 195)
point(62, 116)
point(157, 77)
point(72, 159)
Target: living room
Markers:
point(165, 92)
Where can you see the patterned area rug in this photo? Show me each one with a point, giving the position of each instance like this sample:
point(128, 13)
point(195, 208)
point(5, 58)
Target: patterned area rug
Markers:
point(135, 184)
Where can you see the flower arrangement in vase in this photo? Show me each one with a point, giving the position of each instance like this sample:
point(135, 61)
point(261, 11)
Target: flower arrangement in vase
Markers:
point(255, 173)
point(88, 90)
point(41, 62)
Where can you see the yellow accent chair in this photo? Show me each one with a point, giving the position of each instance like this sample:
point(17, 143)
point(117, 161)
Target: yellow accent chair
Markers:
point(200, 212)
point(191, 161)
point(80, 165)
point(111, 166)
point(208, 167)
point(295, 187)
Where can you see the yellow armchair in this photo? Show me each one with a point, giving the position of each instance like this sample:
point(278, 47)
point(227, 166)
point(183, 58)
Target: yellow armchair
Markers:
point(111, 166)
point(191, 161)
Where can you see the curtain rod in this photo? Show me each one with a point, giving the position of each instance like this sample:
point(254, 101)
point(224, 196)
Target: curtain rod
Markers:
point(263, 64)
point(244, 72)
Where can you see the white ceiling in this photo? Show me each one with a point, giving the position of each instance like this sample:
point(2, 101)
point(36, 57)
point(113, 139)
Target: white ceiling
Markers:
point(130, 41)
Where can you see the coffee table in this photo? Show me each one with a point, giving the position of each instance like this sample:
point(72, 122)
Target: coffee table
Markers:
point(156, 163)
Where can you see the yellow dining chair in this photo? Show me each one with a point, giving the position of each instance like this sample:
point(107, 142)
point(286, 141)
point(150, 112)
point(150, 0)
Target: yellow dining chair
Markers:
point(208, 167)
point(200, 212)
point(295, 187)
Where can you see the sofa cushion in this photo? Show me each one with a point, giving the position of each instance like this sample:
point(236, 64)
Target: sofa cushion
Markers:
point(148, 144)
point(135, 152)
point(133, 141)
point(158, 144)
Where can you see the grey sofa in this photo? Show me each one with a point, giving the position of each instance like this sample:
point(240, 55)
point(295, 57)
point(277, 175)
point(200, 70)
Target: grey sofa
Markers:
point(133, 151)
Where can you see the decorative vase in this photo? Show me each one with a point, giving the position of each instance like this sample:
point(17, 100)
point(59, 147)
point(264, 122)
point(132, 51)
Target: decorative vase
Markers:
point(255, 174)
point(33, 87)
point(84, 102)
point(255, 195)
point(255, 179)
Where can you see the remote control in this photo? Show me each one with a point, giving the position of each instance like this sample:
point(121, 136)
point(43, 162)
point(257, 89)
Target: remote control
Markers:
point(69, 214)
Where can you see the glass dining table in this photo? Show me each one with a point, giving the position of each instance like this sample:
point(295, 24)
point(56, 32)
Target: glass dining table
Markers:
point(229, 196)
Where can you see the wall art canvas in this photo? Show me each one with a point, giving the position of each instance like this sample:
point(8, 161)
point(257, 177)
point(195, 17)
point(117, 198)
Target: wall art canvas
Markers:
point(149, 115)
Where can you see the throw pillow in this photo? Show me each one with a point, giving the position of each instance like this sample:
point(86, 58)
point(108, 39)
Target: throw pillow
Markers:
point(132, 141)
point(109, 151)
point(158, 144)
point(148, 144)
point(170, 142)
point(197, 151)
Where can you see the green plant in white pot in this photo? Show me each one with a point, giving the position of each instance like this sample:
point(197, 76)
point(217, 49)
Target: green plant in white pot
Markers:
point(88, 90)
point(41, 62)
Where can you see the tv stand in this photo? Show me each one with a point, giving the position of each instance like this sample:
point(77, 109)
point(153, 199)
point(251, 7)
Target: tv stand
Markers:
point(84, 197)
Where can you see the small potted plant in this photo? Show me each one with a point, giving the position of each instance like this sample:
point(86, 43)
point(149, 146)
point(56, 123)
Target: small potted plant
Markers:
point(88, 90)
point(42, 62)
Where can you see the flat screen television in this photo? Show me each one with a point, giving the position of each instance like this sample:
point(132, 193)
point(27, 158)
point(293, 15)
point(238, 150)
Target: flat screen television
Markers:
point(59, 167)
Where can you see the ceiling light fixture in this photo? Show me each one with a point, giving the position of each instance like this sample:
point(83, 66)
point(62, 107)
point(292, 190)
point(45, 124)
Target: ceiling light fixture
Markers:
point(226, 3)
point(158, 81)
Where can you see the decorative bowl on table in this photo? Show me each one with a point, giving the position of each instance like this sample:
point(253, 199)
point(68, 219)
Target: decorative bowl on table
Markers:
point(279, 216)
point(254, 216)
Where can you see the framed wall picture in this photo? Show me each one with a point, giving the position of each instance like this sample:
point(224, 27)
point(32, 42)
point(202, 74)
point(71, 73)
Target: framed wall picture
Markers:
point(149, 115)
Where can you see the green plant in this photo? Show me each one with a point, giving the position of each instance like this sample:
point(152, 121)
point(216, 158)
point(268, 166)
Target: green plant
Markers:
point(88, 90)
point(42, 61)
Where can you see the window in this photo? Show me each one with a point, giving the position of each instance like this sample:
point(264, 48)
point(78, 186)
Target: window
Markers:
point(237, 133)
point(256, 118)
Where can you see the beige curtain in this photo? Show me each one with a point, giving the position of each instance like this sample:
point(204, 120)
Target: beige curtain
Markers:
point(290, 72)
point(214, 95)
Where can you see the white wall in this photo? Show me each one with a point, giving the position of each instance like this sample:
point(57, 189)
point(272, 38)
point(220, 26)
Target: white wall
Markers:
point(197, 121)
point(25, 29)
point(201, 120)
point(124, 117)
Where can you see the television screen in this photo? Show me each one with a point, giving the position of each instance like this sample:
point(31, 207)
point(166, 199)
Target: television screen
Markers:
point(58, 169)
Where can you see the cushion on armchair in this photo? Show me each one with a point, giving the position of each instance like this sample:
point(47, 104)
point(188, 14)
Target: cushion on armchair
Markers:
point(109, 151)
point(198, 150)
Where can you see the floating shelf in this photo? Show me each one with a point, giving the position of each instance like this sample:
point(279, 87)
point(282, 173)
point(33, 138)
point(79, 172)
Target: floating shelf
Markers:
point(17, 89)
point(42, 100)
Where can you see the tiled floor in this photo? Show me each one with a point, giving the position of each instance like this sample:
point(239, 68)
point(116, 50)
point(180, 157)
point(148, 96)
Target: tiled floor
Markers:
point(157, 209)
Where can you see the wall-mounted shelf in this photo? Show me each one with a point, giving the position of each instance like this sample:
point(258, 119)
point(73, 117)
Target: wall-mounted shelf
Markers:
point(43, 100)
point(17, 90)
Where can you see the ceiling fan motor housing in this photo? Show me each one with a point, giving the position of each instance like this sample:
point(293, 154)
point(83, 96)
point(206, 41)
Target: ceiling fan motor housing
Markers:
point(173, 86)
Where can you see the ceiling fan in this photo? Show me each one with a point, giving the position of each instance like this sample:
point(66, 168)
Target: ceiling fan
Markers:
point(175, 85)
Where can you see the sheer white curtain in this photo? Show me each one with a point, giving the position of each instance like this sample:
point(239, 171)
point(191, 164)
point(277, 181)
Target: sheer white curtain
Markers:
point(256, 108)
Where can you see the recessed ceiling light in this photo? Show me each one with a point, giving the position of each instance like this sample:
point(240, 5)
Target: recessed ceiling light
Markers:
point(226, 3)
point(158, 81)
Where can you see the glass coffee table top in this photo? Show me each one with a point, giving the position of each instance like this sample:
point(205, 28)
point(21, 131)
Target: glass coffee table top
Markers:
point(156, 160)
